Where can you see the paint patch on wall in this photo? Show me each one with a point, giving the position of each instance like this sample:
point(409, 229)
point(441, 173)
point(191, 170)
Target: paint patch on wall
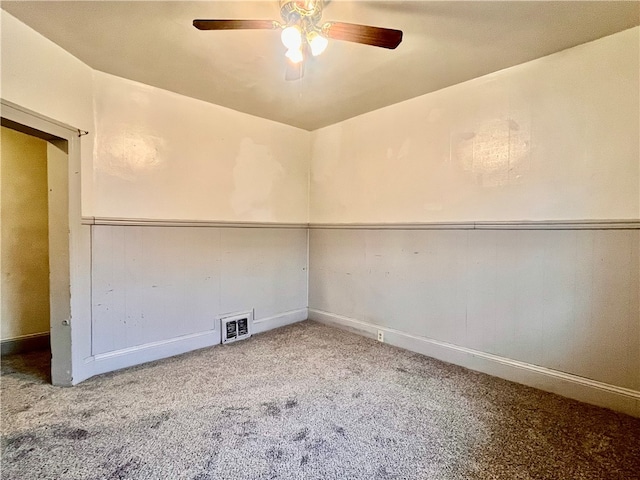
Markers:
point(131, 154)
point(496, 153)
point(255, 175)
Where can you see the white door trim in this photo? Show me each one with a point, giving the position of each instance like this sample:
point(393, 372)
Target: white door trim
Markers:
point(68, 342)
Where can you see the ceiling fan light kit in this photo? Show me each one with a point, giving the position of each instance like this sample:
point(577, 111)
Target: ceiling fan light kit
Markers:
point(302, 34)
point(301, 29)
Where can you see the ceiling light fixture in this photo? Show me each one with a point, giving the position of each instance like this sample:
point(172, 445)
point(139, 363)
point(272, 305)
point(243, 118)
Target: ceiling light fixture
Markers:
point(291, 37)
point(303, 34)
point(317, 42)
point(295, 55)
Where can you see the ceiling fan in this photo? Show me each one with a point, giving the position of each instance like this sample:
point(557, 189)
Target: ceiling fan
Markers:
point(303, 34)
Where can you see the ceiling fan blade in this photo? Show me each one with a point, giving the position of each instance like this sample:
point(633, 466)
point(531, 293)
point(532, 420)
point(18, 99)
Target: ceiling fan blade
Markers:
point(365, 34)
point(294, 71)
point(235, 24)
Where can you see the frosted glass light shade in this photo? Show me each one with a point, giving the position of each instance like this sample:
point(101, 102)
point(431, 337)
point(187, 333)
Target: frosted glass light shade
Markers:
point(317, 43)
point(295, 55)
point(291, 37)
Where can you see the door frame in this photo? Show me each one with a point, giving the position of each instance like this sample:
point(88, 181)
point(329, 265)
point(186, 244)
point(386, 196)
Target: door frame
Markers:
point(71, 329)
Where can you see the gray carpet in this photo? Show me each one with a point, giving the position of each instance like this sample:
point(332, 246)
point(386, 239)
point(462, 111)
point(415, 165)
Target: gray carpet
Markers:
point(303, 402)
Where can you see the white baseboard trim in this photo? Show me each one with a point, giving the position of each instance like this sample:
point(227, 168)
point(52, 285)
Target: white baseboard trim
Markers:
point(148, 352)
point(280, 320)
point(568, 385)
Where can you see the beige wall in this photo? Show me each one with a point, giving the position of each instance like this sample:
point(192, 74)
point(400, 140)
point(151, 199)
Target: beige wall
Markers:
point(552, 139)
point(155, 154)
point(25, 247)
point(39, 75)
point(160, 155)
point(556, 138)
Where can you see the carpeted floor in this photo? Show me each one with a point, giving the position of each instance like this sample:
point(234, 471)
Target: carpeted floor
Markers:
point(303, 402)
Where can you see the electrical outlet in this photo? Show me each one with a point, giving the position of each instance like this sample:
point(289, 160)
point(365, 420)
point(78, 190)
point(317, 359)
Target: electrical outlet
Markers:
point(380, 336)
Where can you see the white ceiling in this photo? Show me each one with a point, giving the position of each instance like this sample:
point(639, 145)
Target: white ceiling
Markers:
point(445, 43)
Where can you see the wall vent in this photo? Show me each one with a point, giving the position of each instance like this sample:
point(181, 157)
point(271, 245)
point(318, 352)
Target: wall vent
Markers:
point(236, 327)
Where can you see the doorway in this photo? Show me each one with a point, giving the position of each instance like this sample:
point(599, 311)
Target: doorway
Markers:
point(68, 243)
point(24, 263)
point(34, 243)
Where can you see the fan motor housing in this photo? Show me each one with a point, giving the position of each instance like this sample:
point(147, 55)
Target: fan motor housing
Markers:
point(292, 10)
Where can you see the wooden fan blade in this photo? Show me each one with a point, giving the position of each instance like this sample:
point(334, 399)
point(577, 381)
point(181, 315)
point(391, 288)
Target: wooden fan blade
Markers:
point(235, 24)
point(365, 34)
point(294, 71)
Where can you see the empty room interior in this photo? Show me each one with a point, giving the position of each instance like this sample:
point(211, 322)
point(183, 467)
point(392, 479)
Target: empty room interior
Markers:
point(306, 239)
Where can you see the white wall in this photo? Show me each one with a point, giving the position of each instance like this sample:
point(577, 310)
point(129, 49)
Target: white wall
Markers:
point(162, 155)
point(158, 285)
point(564, 300)
point(555, 138)
point(158, 290)
point(554, 306)
point(157, 155)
